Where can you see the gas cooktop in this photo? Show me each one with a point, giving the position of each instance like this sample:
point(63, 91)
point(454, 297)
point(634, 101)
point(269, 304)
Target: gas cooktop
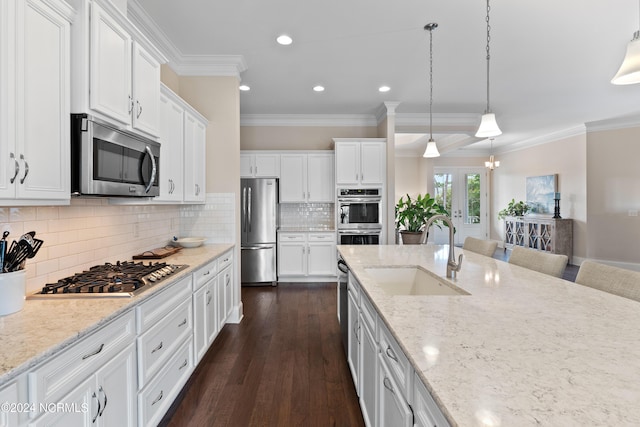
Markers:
point(122, 279)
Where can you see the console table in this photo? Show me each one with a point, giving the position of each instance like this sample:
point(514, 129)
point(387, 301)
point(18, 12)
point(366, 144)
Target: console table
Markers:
point(540, 233)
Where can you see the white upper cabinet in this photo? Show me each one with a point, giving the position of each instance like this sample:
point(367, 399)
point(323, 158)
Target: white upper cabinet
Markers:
point(171, 149)
point(306, 178)
point(34, 102)
point(116, 70)
point(194, 155)
point(360, 162)
point(259, 165)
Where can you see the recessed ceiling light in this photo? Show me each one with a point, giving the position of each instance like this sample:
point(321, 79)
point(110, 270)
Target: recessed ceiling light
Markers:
point(244, 88)
point(284, 40)
point(318, 88)
point(384, 89)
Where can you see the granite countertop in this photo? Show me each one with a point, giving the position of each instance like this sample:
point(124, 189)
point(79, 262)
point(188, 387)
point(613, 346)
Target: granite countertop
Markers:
point(523, 349)
point(46, 326)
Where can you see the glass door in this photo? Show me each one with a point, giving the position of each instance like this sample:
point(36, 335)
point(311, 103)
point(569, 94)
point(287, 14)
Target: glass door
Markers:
point(462, 191)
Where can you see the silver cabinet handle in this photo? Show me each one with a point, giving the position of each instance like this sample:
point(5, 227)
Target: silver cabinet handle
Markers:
point(157, 399)
point(207, 273)
point(387, 384)
point(130, 104)
point(391, 354)
point(184, 322)
point(104, 405)
point(86, 356)
point(157, 348)
point(17, 167)
point(227, 279)
point(26, 169)
point(139, 109)
point(209, 297)
point(99, 407)
point(183, 364)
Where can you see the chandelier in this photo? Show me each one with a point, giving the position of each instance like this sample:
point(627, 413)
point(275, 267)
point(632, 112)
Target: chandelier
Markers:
point(492, 163)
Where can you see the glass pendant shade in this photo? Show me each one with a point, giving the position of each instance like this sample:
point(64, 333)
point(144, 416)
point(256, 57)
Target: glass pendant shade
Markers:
point(629, 72)
point(432, 149)
point(488, 126)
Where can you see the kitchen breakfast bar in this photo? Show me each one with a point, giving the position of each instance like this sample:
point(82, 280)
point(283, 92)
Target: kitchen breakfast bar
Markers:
point(513, 347)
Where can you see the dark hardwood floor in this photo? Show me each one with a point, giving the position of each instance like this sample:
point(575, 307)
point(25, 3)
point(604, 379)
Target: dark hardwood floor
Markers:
point(283, 365)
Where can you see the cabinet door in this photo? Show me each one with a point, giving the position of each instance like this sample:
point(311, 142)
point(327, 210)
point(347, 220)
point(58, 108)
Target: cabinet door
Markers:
point(292, 259)
point(320, 178)
point(171, 150)
point(195, 151)
point(146, 91)
point(347, 163)
point(117, 390)
point(227, 278)
point(293, 178)
point(267, 166)
point(86, 403)
point(393, 408)
point(42, 113)
point(246, 165)
point(368, 375)
point(7, 88)
point(9, 394)
point(213, 310)
point(201, 300)
point(372, 163)
point(322, 259)
point(110, 67)
point(353, 339)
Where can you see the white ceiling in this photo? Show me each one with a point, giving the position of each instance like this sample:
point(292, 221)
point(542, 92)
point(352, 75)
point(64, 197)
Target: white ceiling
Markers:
point(551, 61)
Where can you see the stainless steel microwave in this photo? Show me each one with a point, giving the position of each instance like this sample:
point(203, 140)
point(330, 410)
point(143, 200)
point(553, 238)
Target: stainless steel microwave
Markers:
point(107, 161)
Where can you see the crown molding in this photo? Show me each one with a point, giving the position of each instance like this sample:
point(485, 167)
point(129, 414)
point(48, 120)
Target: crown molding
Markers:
point(320, 120)
point(543, 139)
point(624, 122)
point(184, 65)
point(439, 119)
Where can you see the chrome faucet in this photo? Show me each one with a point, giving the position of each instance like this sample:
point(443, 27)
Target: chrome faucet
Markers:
point(452, 266)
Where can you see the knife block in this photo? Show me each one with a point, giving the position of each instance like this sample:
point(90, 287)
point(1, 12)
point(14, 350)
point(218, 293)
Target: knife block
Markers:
point(12, 291)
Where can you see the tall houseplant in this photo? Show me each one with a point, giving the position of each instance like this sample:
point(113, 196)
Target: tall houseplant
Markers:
point(412, 214)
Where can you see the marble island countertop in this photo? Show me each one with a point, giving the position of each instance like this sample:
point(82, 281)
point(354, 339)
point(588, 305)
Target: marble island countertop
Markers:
point(522, 349)
point(46, 326)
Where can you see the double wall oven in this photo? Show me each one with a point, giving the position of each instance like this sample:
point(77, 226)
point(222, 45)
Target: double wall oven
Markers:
point(359, 216)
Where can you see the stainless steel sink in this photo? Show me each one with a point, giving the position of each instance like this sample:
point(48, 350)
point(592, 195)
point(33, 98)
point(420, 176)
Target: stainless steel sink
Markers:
point(412, 280)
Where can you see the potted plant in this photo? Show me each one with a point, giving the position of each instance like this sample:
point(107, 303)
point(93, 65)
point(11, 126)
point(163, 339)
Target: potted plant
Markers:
point(514, 208)
point(412, 214)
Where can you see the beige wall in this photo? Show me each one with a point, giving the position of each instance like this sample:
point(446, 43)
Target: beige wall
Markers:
point(170, 78)
point(613, 183)
point(299, 137)
point(567, 158)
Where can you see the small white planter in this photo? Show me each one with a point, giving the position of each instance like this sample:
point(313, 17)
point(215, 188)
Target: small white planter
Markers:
point(12, 291)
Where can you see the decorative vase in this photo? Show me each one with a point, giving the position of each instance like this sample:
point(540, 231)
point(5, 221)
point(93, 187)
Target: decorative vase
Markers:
point(411, 237)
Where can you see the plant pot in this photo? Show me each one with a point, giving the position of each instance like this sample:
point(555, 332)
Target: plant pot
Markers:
point(411, 237)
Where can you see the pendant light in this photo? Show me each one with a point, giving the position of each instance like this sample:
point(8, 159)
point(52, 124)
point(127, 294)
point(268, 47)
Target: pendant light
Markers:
point(492, 163)
point(432, 148)
point(488, 125)
point(629, 72)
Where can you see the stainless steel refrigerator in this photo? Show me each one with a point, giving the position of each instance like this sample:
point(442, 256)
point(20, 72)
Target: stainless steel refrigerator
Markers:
point(259, 223)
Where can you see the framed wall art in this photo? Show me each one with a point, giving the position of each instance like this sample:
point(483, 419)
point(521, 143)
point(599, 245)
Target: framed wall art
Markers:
point(540, 193)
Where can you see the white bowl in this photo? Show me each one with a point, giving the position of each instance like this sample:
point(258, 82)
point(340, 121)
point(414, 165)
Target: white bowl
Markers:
point(191, 242)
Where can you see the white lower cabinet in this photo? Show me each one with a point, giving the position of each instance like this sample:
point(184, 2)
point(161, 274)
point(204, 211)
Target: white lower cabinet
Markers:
point(14, 392)
point(389, 390)
point(309, 255)
point(94, 381)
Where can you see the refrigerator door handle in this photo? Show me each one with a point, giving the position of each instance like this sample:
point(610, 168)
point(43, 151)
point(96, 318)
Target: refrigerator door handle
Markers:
point(249, 209)
point(255, 248)
point(244, 209)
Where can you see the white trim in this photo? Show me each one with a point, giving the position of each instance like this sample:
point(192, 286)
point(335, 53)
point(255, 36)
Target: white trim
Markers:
point(613, 124)
point(321, 120)
point(439, 119)
point(544, 139)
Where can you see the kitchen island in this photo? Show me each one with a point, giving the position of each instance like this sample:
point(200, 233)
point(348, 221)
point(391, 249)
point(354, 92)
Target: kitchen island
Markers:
point(522, 348)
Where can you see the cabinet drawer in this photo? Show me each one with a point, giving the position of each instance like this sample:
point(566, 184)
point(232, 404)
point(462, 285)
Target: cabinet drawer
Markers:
point(368, 314)
point(322, 237)
point(426, 411)
point(354, 289)
point(60, 374)
point(204, 274)
point(292, 237)
point(159, 394)
point(395, 359)
point(158, 344)
point(225, 260)
point(151, 311)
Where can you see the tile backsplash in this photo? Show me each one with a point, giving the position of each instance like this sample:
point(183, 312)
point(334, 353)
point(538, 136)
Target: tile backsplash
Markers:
point(91, 231)
point(307, 215)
